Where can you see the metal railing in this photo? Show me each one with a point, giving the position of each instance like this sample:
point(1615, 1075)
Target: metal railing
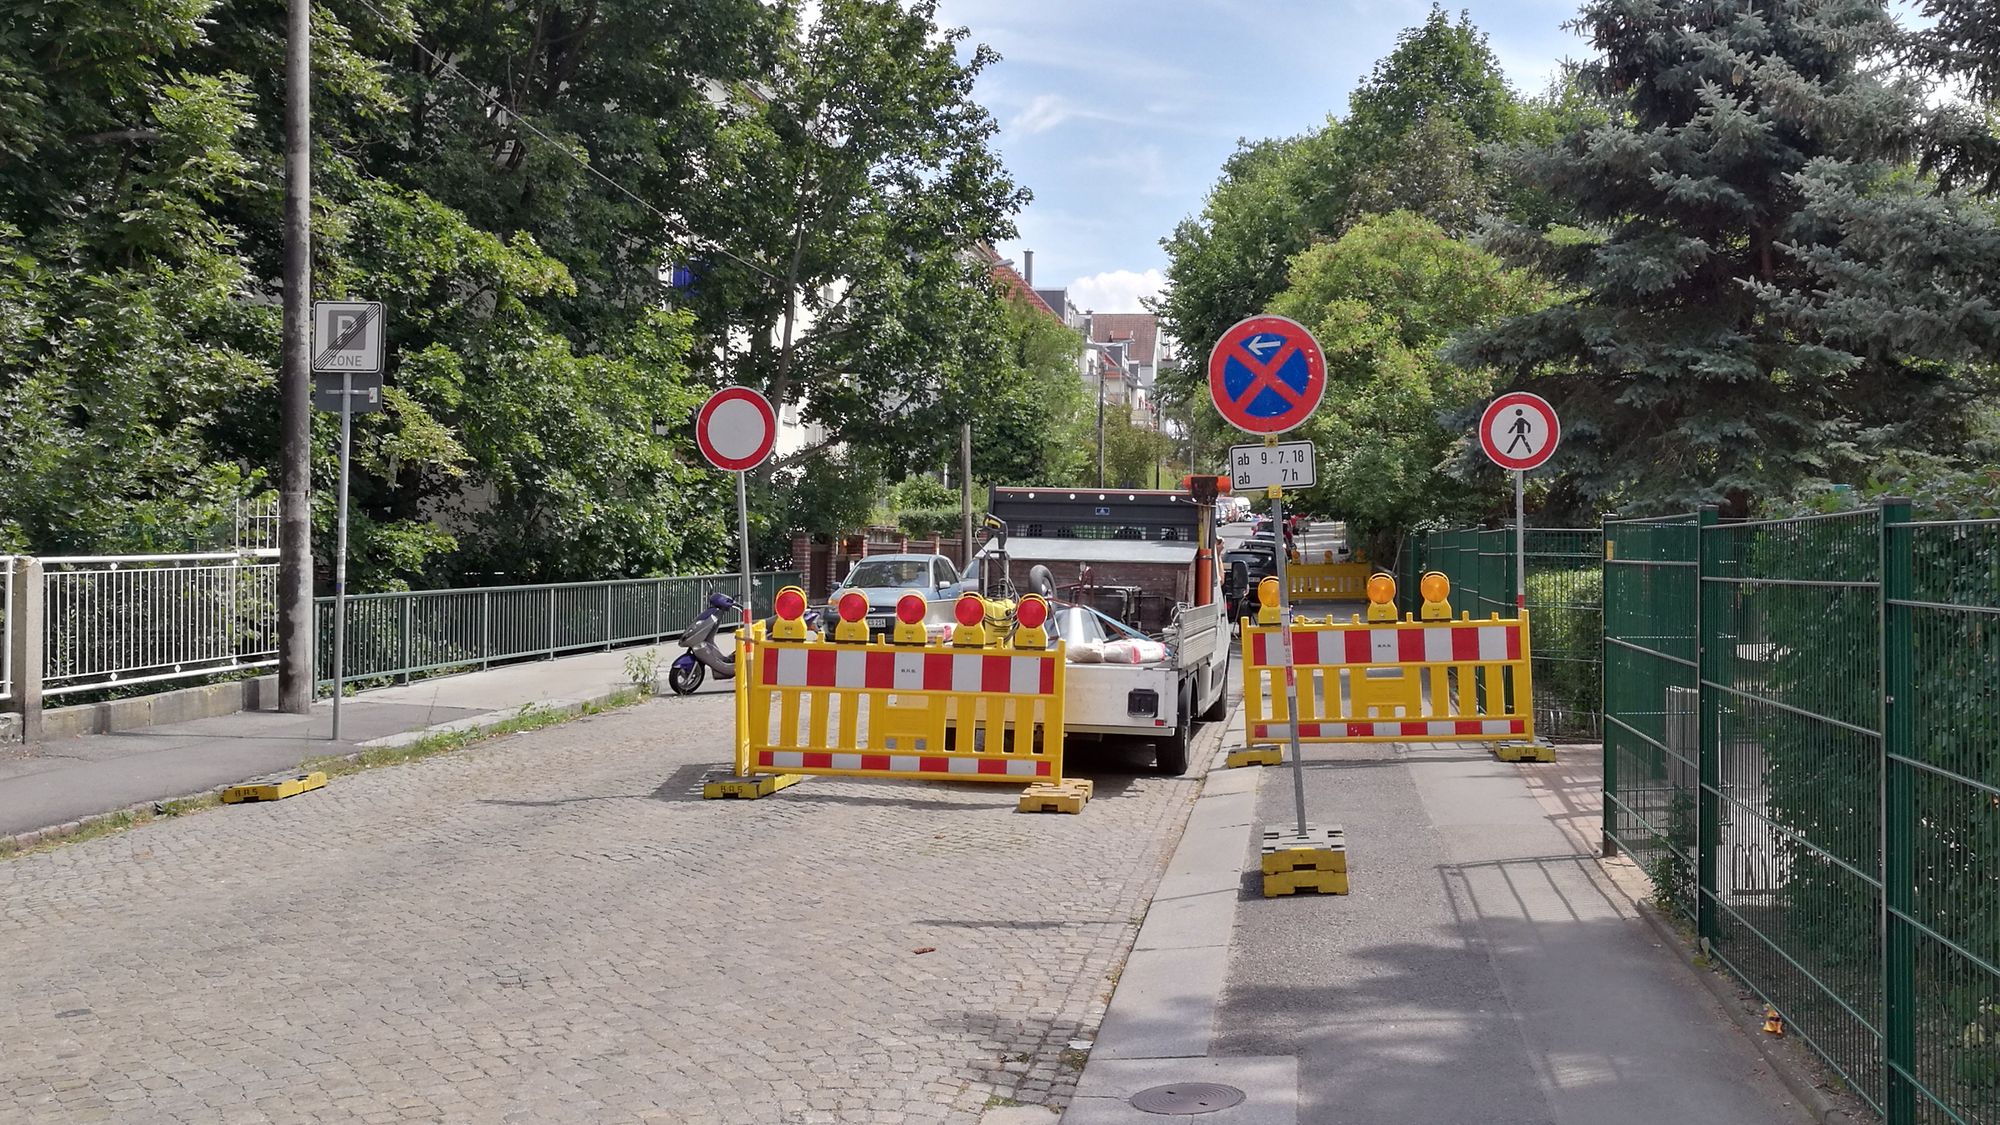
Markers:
point(117, 620)
point(1564, 593)
point(402, 634)
point(1802, 748)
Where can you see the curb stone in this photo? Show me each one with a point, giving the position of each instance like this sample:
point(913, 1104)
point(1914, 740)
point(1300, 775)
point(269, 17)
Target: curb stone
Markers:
point(22, 841)
point(1795, 1074)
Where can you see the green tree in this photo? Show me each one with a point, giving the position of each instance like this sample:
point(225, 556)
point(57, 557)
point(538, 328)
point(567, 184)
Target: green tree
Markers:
point(1383, 300)
point(1031, 423)
point(859, 170)
point(1679, 377)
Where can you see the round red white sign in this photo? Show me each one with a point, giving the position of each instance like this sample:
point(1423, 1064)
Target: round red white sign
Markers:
point(1519, 431)
point(736, 429)
point(1266, 375)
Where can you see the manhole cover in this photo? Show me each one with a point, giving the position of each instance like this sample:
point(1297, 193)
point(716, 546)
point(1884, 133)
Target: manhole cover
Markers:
point(1187, 1097)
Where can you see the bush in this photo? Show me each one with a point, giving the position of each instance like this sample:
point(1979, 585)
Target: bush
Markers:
point(1566, 607)
point(919, 493)
point(922, 523)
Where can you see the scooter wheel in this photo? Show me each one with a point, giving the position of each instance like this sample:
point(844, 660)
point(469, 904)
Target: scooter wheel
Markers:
point(684, 679)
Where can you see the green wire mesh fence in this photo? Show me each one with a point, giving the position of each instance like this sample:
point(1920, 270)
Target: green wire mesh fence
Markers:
point(1564, 589)
point(1802, 749)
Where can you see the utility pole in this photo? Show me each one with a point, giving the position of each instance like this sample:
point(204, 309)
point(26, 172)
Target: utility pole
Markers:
point(965, 494)
point(295, 570)
point(1100, 426)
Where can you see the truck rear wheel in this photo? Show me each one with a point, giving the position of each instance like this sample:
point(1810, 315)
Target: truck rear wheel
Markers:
point(1170, 755)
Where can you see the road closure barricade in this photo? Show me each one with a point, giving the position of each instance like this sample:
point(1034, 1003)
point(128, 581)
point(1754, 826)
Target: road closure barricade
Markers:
point(1392, 681)
point(988, 707)
point(1326, 581)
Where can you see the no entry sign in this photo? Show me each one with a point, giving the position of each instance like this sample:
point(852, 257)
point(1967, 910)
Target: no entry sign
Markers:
point(1519, 431)
point(1266, 375)
point(736, 429)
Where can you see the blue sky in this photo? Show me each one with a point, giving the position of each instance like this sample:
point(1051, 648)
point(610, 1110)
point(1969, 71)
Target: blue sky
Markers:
point(1119, 113)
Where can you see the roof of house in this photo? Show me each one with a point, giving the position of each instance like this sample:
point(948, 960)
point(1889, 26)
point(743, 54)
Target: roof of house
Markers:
point(1014, 285)
point(1141, 329)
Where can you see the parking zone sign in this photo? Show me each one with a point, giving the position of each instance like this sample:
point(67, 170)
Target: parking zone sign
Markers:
point(347, 337)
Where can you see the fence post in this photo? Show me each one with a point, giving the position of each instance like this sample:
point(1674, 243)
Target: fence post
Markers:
point(552, 623)
point(1897, 816)
point(405, 649)
point(1608, 843)
point(1708, 753)
point(25, 642)
point(608, 630)
point(485, 629)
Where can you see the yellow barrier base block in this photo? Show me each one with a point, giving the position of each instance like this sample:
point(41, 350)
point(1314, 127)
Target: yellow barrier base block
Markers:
point(273, 790)
point(1256, 756)
point(748, 788)
point(1525, 752)
point(1313, 861)
point(1058, 797)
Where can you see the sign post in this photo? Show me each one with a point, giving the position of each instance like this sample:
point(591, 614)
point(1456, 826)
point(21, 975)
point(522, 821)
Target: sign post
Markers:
point(1519, 431)
point(347, 376)
point(736, 429)
point(1266, 376)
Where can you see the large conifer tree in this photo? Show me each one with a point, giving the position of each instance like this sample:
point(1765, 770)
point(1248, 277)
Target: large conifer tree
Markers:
point(1675, 364)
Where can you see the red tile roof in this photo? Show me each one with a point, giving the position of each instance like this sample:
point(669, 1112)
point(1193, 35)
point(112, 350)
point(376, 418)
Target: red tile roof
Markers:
point(1016, 286)
point(1142, 329)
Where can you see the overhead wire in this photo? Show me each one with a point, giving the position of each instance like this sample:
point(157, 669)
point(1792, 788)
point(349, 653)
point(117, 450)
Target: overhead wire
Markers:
point(516, 117)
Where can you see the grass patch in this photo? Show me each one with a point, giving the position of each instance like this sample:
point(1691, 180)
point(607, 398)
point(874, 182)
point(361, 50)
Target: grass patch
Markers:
point(1001, 1101)
point(1073, 1059)
point(531, 717)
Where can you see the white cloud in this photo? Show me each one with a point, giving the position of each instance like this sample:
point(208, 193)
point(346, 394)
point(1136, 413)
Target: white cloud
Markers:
point(1044, 113)
point(1116, 291)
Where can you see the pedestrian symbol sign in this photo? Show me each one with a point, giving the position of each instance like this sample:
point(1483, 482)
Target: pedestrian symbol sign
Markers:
point(347, 337)
point(1266, 375)
point(1519, 431)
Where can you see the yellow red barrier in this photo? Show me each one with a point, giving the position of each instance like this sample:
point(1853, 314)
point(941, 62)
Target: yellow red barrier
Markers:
point(1324, 582)
point(1361, 681)
point(889, 710)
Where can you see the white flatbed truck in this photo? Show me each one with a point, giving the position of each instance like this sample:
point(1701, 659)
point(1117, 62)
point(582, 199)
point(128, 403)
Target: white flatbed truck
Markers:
point(1145, 559)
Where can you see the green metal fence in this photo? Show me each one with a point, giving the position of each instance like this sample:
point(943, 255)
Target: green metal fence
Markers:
point(400, 634)
point(1563, 597)
point(1802, 747)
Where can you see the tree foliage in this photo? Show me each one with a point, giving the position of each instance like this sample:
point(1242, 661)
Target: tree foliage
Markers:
point(1383, 300)
point(513, 183)
point(1680, 376)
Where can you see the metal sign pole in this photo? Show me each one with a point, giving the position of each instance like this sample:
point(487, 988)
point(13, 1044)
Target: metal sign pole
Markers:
point(1285, 649)
point(1520, 543)
point(743, 532)
point(340, 552)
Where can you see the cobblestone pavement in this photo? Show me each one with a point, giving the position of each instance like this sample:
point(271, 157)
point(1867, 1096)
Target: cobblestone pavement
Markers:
point(554, 927)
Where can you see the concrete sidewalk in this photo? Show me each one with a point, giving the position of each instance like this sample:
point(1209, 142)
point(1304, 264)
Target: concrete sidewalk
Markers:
point(61, 781)
point(1485, 967)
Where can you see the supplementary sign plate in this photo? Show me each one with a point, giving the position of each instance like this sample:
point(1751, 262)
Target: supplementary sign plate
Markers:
point(1266, 375)
point(362, 392)
point(736, 429)
point(1287, 465)
point(1519, 431)
point(347, 337)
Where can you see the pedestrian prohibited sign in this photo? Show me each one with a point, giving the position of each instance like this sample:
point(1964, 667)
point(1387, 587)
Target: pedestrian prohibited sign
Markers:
point(1519, 431)
point(1287, 465)
point(347, 337)
point(1266, 375)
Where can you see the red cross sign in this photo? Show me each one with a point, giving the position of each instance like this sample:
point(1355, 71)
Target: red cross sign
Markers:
point(1266, 375)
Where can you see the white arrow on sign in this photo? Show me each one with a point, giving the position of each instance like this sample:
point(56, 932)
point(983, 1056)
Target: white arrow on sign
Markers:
point(1261, 345)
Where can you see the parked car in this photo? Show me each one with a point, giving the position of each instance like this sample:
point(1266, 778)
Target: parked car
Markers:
point(1243, 567)
point(886, 578)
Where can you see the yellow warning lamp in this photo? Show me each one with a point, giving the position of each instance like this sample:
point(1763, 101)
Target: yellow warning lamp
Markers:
point(1381, 596)
point(1267, 601)
point(910, 609)
point(1031, 618)
point(1436, 589)
point(790, 605)
point(971, 614)
point(853, 626)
